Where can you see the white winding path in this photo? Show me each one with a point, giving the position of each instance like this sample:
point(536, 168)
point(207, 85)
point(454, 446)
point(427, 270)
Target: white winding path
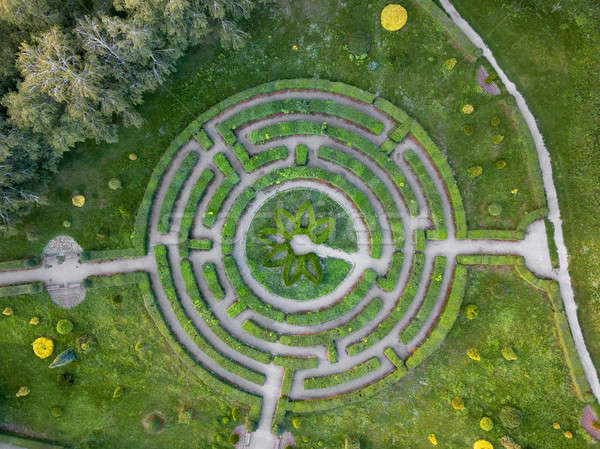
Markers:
point(564, 280)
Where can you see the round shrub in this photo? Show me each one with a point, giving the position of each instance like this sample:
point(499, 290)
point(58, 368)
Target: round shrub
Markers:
point(114, 184)
point(65, 380)
point(296, 422)
point(154, 423)
point(393, 17)
point(236, 413)
point(468, 109)
point(475, 171)
point(495, 121)
point(66, 224)
point(497, 139)
point(86, 343)
point(509, 353)
point(510, 417)
point(568, 434)
point(471, 311)
point(234, 438)
point(482, 444)
point(34, 321)
point(468, 130)
point(132, 157)
point(457, 403)
point(486, 424)
point(432, 438)
point(78, 200)
point(449, 64)
point(64, 327)
point(8, 311)
point(22, 392)
point(56, 411)
point(494, 209)
point(43, 347)
point(500, 164)
point(473, 354)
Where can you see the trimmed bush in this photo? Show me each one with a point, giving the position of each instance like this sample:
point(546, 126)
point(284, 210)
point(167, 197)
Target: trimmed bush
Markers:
point(388, 282)
point(212, 280)
point(216, 202)
point(182, 174)
point(510, 417)
point(356, 372)
point(301, 154)
point(190, 208)
point(64, 327)
point(202, 138)
point(494, 209)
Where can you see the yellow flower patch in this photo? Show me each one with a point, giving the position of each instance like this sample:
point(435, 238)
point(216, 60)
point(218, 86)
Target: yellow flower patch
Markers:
point(43, 347)
point(482, 444)
point(433, 439)
point(8, 311)
point(468, 109)
point(393, 17)
point(78, 200)
point(457, 403)
point(474, 354)
point(34, 321)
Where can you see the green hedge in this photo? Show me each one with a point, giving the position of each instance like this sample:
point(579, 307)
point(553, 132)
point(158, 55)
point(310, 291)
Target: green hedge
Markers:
point(164, 273)
point(356, 372)
point(489, 259)
point(207, 315)
point(320, 175)
point(245, 298)
point(375, 184)
point(391, 110)
point(208, 377)
point(344, 306)
point(329, 337)
point(551, 243)
point(212, 280)
point(200, 244)
point(441, 163)
point(428, 304)
point(223, 165)
point(115, 280)
point(419, 239)
point(299, 106)
point(253, 162)
point(259, 332)
point(388, 282)
point(22, 264)
point(21, 289)
point(110, 254)
point(182, 174)
point(446, 319)
point(489, 234)
point(230, 226)
point(301, 154)
point(217, 200)
point(203, 139)
point(398, 133)
point(190, 208)
point(393, 318)
point(23, 441)
point(431, 194)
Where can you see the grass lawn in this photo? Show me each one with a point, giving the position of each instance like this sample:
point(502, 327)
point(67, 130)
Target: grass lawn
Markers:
point(538, 384)
point(130, 353)
point(552, 55)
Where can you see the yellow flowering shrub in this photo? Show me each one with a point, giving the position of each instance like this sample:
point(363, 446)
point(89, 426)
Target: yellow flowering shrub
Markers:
point(34, 321)
point(509, 353)
point(471, 311)
point(486, 423)
point(556, 425)
point(596, 425)
point(393, 17)
point(474, 354)
point(433, 439)
point(468, 130)
point(457, 403)
point(495, 121)
point(475, 171)
point(132, 157)
point(500, 164)
point(8, 311)
point(482, 444)
point(450, 64)
point(468, 109)
point(568, 434)
point(78, 200)
point(22, 392)
point(497, 139)
point(43, 347)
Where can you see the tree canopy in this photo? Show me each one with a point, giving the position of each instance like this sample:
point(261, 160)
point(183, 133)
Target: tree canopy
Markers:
point(72, 70)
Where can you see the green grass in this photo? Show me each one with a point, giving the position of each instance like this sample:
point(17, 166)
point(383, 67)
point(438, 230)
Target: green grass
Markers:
point(538, 383)
point(560, 83)
point(151, 377)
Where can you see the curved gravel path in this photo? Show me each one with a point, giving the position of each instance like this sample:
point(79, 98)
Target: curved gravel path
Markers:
point(566, 288)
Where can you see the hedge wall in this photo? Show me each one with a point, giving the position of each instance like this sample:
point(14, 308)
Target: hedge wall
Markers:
point(356, 372)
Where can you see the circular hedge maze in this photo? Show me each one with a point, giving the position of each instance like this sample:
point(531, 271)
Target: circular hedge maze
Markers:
point(291, 241)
